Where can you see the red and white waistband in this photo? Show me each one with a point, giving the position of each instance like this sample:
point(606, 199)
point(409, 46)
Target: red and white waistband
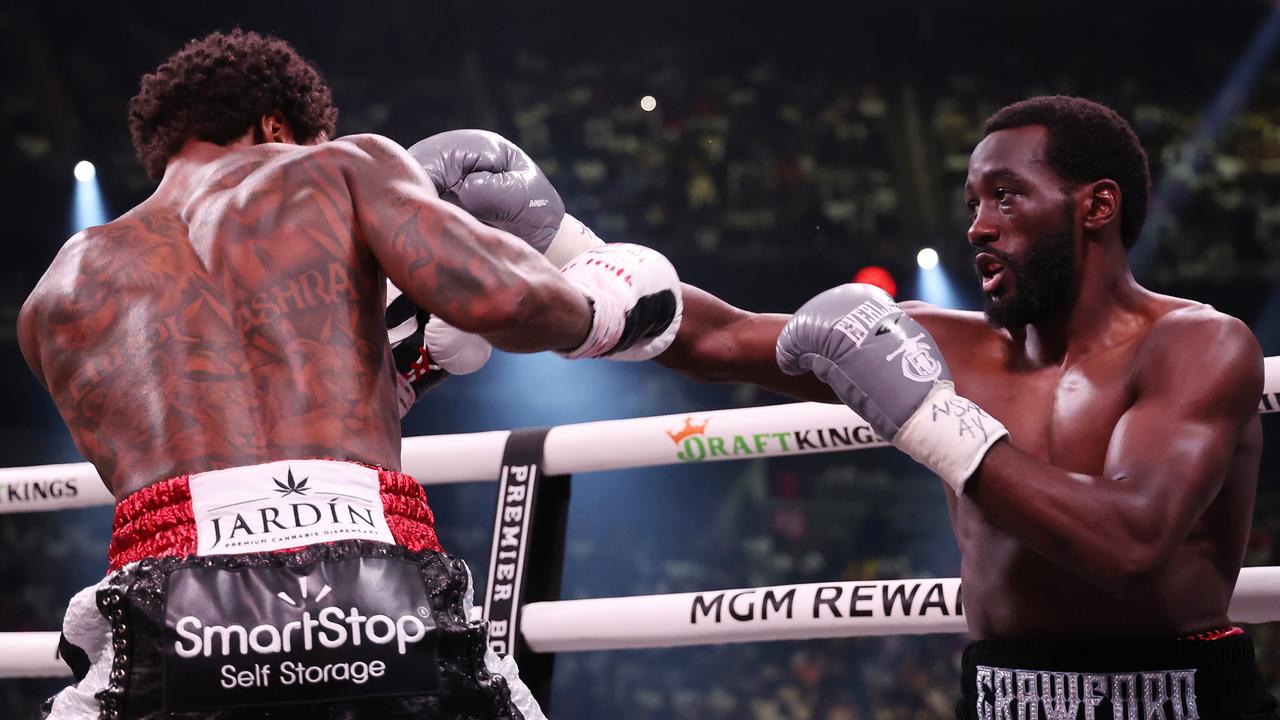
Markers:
point(277, 506)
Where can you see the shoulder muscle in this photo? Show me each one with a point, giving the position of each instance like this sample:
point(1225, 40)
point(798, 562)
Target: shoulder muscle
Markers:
point(1208, 358)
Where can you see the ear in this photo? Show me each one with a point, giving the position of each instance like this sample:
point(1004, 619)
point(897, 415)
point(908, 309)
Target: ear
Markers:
point(274, 128)
point(1101, 204)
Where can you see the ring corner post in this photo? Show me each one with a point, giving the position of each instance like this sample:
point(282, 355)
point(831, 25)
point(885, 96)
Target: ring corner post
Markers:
point(527, 556)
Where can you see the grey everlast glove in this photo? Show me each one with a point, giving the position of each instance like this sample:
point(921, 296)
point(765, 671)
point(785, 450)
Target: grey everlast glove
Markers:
point(493, 180)
point(886, 367)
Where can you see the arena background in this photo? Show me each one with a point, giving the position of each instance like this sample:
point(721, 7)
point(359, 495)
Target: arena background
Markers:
point(792, 143)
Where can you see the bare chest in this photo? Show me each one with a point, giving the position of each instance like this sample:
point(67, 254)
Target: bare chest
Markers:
point(1064, 417)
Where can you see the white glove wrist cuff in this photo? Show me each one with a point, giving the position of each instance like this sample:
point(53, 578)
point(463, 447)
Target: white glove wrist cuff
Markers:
point(949, 434)
point(607, 323)
point(572, 239)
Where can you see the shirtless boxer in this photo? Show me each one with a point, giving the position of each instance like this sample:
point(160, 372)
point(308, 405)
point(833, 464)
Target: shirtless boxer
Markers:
point(1103, 466)
point(219, 353)
point(1101, 534)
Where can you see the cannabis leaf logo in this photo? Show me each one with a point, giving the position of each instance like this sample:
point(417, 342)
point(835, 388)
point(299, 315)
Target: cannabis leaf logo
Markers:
point(291, 486)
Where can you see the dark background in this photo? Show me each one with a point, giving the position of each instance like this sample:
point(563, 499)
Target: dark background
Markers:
point(792, 144)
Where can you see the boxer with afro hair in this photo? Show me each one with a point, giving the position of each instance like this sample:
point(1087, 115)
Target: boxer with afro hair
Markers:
point(215, 88)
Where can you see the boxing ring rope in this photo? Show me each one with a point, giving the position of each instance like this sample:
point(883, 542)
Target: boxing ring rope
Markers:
point(767, 431)
point(804, 611)
point(780, 612)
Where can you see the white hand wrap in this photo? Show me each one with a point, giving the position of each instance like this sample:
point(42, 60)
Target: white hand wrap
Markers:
point(949, 434)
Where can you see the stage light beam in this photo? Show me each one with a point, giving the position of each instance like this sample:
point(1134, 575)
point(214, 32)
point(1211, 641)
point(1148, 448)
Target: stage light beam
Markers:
point(927, 259)
point(87, 207)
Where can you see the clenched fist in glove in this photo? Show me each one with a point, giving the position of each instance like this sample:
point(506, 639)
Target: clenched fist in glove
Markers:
point(500, 185)
point(637, 300)
point(887, 368)
point(426, 349)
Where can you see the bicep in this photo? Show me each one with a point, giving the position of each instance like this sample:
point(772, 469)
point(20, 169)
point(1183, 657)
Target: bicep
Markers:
point(446, 261)
point(1177, 459)
point(1177, 441)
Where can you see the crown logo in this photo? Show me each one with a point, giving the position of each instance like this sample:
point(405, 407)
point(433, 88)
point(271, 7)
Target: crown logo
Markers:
point(688, 430)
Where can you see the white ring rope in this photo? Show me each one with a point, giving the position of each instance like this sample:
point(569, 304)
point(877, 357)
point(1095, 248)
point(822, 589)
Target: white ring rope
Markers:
point(779, 612)
point(736, 434)
point(813, 610)
point(797, 612)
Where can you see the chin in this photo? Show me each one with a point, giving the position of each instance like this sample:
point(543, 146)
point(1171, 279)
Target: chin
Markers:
point(1005, 311)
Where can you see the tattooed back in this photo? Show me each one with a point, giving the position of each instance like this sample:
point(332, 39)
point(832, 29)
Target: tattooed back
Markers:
point(232, 318)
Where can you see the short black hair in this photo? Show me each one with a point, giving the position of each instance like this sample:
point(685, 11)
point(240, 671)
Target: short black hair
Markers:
point(1088, 141)
point(217, 87)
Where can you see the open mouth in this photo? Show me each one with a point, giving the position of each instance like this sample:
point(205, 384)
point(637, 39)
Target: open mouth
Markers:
point(992, 270)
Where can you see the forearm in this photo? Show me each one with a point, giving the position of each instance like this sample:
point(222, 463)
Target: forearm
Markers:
point(723, 344)
point(550, 314)
point(485, 281)
point(1092, 526)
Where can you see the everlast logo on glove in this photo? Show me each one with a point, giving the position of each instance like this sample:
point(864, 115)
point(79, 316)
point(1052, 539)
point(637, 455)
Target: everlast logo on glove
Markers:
point(286, 504)
point(331, 630)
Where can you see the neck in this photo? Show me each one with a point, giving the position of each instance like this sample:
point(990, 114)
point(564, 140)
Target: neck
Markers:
point(1106, 311)
point(195, 157)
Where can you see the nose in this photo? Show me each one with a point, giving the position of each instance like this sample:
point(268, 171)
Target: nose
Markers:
point(984, 229)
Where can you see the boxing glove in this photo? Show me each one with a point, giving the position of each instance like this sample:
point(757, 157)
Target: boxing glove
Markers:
point(886, 367)
point(636, 298)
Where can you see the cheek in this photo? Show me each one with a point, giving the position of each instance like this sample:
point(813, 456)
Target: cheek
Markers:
point(1017, 249)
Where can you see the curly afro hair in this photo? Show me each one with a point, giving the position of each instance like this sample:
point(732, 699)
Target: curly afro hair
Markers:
point(1087, 141)
point(219, 86)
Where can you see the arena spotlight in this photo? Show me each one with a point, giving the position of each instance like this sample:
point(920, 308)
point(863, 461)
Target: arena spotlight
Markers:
point(87, 207)
point(84, 171)
point(648, 103)
point(927, 259)
point(932, 283)
point(878, 276)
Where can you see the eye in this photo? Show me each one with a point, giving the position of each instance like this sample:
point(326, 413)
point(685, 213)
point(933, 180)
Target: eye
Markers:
point(972, 207)
point(1003, 195)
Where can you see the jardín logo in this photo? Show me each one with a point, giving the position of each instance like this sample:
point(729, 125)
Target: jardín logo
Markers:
point(296, 512)
point(695, 444)
point(290, 486)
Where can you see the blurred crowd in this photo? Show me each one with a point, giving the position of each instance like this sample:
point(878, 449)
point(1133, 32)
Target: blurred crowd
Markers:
point(770, 158)
point(780, 148)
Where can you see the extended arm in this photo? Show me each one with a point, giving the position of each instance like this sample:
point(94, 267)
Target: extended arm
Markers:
point(1167, 460)
point(479, 279)
point(721, 343)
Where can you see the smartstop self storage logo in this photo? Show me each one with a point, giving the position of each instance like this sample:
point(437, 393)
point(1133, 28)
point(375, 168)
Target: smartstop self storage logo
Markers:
point(331, 630)
point(697, 441)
